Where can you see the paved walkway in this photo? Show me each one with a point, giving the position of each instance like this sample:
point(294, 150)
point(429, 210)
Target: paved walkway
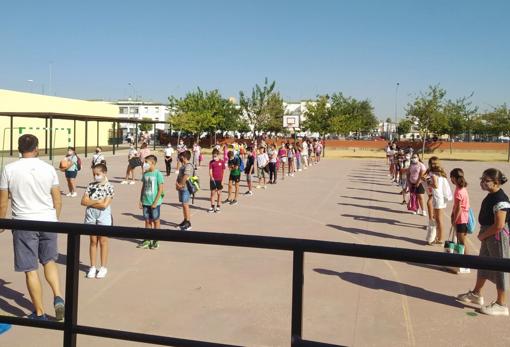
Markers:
point(243, 296)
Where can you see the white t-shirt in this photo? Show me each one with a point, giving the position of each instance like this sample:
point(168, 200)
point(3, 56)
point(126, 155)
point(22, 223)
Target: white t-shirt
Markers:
point(262, 160)
point(169, 151)
point(97, 158)
point(30, 180)
point(304, 150)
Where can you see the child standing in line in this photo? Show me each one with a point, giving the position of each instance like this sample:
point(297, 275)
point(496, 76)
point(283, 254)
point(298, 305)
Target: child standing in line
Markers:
point(438, 186)
point(169, 152)
point(304, 154)
point(460, 210)
point(98, 198)
point(216, 169)
point(249, 170)
point(185, 172)
point(290, 156)
point(151, 197)
point(262, 162)
point(234, 164)
point(282, 154)
point(273, 159)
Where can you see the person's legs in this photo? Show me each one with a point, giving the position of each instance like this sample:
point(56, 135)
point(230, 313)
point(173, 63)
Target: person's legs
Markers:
point(213, 192)
point(236, 190)
point(501, 300)
point(438, 217)
point(218, 200)
point(73, 184)
point(421, 203)
point(69, 185)
point(157, 223)
point(430, 208)
point(461, 239)
point(186, 212)
point(480, 282)
point(103, 244)
point(229, 189)
point(51, 275)
point(35, 290)
point(93, 250)
point(248, 181)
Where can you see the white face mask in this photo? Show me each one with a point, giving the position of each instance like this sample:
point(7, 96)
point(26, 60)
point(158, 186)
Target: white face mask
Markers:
point(99, 178)
point(146, 166)
point(414, 160)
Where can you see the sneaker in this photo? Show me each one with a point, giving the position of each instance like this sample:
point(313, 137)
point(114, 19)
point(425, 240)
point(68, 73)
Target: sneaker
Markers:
point(124, 182)
point(414, 212)
point(424, 213)
point(471, 298)
point(33, 315)
point(92, 272)
point(132, 182)
point(145, 244)
point(228, 201)
point(233, 202)
point(494, 309)
point(102, 272)
point(186, 226)
point(211, 210)
point(299, 170)
point(217, 209)
point(58, 304)
point(154, 245)
point(264, 187)
point(69, 195)
point(258, 186)
point(249, 192)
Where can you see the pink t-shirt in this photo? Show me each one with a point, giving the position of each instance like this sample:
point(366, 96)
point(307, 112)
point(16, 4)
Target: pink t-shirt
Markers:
point(217, 167)
point(414, 172)
point(461, 197)
point(144, 152)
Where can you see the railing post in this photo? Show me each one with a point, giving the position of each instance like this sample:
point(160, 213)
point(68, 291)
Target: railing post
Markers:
point(72, 278)
point(297, 297)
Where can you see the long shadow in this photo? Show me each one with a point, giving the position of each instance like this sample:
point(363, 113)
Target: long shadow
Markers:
point(377, 283)
point(430, 267)
point(383, 221)
point(368, 199)
point(62, 260)
point(136, 216)
point(141, 219)
point(379, 183)
point(377, 208)
point(193, 207)
point(376, 234)
point(374, 191)
point(17, 297)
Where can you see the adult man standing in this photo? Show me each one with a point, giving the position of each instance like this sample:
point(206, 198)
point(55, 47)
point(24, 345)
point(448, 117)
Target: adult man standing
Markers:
point(35, 195)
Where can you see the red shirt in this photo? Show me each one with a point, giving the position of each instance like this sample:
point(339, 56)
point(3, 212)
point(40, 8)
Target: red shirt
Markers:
point(217, 167)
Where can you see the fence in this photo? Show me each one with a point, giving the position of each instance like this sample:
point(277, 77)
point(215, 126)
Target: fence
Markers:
point(298, 247)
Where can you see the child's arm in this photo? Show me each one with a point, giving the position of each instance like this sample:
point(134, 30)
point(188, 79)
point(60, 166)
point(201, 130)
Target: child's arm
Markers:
point(86, 200)
point(210, 174)
point(456, 213)
point(160, 191)
point(101, 204)
point(141, 195)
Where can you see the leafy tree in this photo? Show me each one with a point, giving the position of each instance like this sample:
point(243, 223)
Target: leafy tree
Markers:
point(498, 120)
point(352, 115)
point(458, 114)
point(145, 126)
point(255, 108)
point(404, 127)
point(275, 111)
point(318, 116)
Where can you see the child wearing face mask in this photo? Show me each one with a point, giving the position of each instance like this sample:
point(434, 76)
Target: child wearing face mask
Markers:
point(71, 172)
point(151, 197)
point(98, 198)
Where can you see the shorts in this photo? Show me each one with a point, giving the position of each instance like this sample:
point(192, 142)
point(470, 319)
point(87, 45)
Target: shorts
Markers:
point(248, 177)
point(184, 196)
point(461, 228)
point(31, 246)
point(491, 247)
point(71, 174)
point(283, 159)
point(261, 173)
point(150, 213)
point(135, 162)
point(98, 217)
point(215, 185)
point(235, 179)
point(419, 189)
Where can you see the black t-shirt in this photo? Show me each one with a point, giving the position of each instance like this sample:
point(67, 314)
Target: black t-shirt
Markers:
point(499, 200)
point(249, 164)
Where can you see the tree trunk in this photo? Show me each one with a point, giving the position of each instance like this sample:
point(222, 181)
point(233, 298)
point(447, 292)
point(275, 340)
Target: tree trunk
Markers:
point(423, 139)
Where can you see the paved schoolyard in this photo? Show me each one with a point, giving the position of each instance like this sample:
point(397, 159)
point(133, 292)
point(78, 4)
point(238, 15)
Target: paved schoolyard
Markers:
point(243, 296)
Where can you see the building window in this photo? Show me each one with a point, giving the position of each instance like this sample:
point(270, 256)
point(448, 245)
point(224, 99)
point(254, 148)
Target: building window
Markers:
point(133, 110)
point(123, 110)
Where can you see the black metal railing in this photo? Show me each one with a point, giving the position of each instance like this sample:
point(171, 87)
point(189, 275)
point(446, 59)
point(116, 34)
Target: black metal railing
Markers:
point(299, 247)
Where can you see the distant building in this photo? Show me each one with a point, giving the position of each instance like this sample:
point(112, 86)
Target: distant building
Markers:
point(141, 110)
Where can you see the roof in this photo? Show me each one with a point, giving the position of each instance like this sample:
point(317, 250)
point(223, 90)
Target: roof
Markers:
point(78, 117)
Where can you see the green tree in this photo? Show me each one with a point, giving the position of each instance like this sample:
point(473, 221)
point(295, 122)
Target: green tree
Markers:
point(275, 111)
point(255, 108)
point(318, 116)
point(352, 115)
point(145, 126)
point(404, 127)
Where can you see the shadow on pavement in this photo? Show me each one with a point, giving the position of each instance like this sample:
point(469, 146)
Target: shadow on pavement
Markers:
point(376, 234)
point(377, 283)
point(17, 297)
point(374, 191)
point(368, 199)
point(377, 208)
point(384, 221)
point(62, 259)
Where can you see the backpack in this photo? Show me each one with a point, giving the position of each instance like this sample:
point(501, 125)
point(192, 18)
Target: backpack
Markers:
point(78, 163)
point(241, 165)
point(193, 184)
point(471, 225)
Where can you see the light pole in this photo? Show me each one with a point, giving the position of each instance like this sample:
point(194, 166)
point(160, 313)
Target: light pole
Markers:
point(132, 85)
point(396, 101)
point(31, 84)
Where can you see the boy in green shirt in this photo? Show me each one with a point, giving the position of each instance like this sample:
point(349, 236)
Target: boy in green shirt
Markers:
point(151, 197)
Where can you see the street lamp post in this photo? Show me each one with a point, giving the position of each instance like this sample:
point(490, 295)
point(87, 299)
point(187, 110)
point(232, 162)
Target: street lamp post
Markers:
point(131, 84)
point(396, 104)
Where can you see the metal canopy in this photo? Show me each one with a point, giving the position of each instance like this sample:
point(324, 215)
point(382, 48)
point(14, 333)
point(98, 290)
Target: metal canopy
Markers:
point(79, 117)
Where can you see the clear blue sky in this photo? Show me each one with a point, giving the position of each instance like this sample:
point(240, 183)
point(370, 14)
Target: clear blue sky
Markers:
point(361, 48)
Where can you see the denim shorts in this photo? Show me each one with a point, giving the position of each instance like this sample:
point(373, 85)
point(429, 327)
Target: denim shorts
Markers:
point(71, 174)
point(150, 213)
point(184, 196)
point(97, 216)
point(33, 246)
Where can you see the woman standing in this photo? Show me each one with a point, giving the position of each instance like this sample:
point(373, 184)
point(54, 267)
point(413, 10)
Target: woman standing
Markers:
point(169, 152)
point(493, 219)
point(440, 193)
point(71, 171)
point(416, 172)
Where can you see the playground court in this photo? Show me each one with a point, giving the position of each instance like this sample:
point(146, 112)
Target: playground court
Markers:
point(243, 296)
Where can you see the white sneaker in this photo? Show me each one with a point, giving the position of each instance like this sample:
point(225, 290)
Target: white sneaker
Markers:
point(300, 170)
point(494, 309)
point(264, 187)
point(102, 272)
point(124, 182)
point(132, 182)
point(73, 195)
point(472, 298)
point(92, 272)
point(258, 187)
point(424, 213)
point(69, 195)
